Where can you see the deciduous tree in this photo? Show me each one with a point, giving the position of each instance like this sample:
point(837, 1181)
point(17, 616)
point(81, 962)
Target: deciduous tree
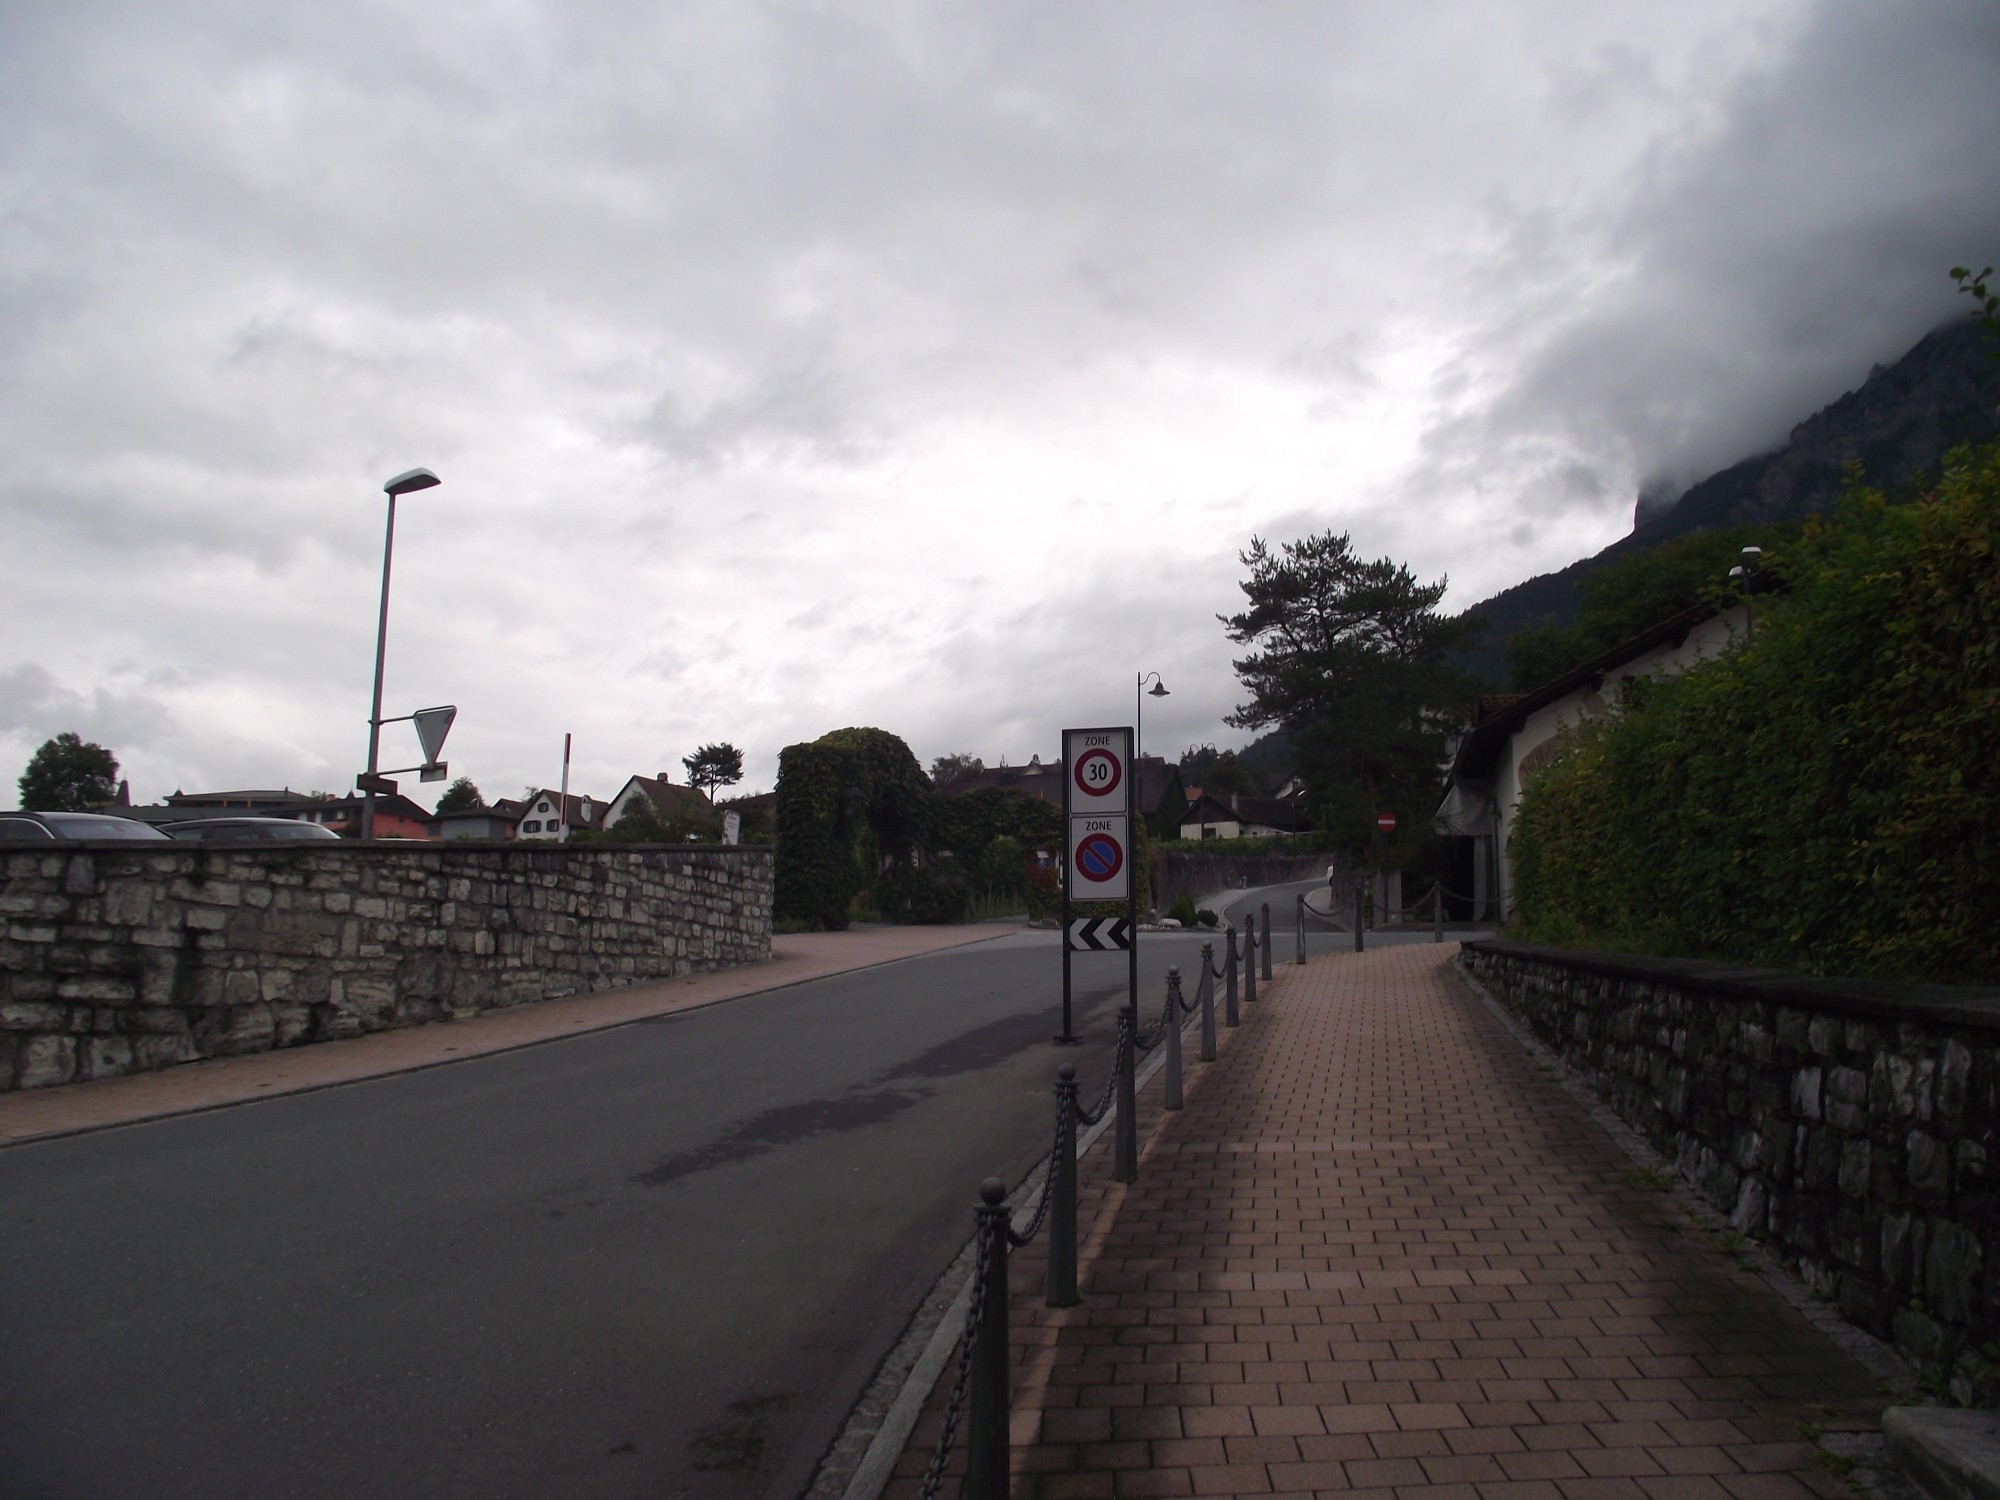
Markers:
point(460, 796)
point(948, 768)
point(69, 774)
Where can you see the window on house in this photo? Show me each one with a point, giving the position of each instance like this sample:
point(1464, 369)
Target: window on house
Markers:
point(533, 825)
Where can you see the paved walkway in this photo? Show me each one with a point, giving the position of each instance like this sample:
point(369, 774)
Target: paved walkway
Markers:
point(1381, 1254)
point(34, 1114)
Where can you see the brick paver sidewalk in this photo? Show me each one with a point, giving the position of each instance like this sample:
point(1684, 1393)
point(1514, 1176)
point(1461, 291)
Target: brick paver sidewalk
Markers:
point(1380, 1254)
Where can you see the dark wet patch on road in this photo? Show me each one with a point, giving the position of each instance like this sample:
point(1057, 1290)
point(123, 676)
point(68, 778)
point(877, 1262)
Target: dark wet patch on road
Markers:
point(886, 1095)
point(735, 1445)
point(778, 1127)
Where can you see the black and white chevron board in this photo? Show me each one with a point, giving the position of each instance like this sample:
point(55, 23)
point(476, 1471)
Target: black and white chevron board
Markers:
point(1100, 934)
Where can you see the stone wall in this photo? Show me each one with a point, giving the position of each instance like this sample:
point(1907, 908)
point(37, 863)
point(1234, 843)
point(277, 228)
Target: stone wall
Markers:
point(1199, 875)
point(1851, 1126)
point(122, 957)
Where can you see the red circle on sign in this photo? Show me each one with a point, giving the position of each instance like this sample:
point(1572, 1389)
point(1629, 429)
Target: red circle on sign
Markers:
point(1386, 822)
point(1099, 857)
point(1097, 773)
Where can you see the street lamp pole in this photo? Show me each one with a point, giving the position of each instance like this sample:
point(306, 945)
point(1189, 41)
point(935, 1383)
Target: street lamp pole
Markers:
point(403, 484)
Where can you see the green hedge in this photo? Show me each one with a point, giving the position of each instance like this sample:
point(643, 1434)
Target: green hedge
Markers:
point(815, 875)
point(1827, 796)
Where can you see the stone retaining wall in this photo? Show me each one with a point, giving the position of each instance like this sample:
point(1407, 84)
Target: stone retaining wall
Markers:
point(1851, 1126)
point(1181, 872)
point(122, 957)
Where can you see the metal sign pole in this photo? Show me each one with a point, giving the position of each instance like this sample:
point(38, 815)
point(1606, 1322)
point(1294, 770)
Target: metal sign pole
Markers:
point(1068, 1037)
point(1132, 873)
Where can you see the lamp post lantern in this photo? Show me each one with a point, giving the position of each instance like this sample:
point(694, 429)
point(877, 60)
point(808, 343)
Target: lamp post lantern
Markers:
point(405, 483)
point(1139, 696)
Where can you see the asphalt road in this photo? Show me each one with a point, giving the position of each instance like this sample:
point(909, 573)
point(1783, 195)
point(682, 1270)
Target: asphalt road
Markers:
point(661, 1260)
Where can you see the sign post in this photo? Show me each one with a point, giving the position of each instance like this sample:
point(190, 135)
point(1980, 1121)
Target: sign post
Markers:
point(1097, 864)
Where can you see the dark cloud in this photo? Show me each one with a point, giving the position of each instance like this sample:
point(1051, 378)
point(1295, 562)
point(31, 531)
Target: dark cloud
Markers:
point(796, 366)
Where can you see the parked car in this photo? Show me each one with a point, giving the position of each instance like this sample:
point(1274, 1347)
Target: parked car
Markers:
point(39, 827)
point(247, 829)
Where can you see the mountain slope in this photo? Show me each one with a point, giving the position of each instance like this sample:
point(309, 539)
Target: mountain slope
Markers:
point(1901, 420)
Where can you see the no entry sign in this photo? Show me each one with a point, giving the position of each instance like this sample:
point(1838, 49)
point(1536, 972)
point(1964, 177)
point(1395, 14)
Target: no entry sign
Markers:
point(1386, 822)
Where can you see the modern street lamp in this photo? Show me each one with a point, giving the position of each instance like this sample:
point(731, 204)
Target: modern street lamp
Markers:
point(405, 483)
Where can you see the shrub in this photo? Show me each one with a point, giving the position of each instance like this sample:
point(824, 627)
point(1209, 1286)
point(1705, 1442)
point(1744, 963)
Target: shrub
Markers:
point(1182, 910)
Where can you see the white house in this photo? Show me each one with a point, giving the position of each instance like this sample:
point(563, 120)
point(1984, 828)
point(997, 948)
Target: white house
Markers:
point(669, 801)
point(1519, 733)
point(548, 815)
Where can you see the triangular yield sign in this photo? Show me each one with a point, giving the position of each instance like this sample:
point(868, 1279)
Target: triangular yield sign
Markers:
point(433, 724)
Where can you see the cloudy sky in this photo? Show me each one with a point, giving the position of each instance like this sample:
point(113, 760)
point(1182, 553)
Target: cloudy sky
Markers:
point(920, 365)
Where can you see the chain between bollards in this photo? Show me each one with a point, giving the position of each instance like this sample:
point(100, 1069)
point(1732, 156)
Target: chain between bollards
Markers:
point(1061, 1291)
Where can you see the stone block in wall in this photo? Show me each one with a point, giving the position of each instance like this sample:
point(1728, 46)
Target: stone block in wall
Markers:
point(1928, 1170)
point(230, 1030)
point(34, 1015)
point(105, 1057)
point(1847, 1099)
point(42, 1060)
point(1953, 1266)
point(162, 1051)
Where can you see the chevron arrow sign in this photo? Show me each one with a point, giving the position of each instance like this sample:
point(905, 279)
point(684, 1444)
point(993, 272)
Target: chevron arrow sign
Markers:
point(1100, 934)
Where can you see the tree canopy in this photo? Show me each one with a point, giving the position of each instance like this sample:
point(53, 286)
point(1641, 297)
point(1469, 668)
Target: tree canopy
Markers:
point(460, 796)
point(1352, 658)
point(714, 766)
point(948, 768)
point(69, 774)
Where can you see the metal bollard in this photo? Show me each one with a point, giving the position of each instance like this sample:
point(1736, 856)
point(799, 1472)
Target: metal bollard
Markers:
point(1126, 1167)
point(1266, 956)
point(1062, 1196)
point(1437, 913)
point(1301, 930)
point(1357, 916)
point(1229, 964)
point(1173, 1085)
point(1208, 1002)
point(986, 1414)
point(1249, 959)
